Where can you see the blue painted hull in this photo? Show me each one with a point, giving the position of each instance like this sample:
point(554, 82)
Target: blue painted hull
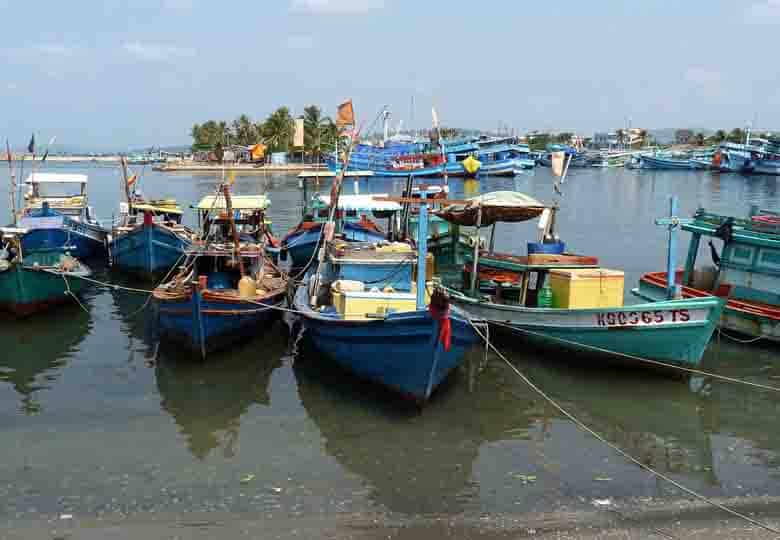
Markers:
point(402, 352)
point(302, 244)
point(148, 249)
point(205, 326)
point(766, 166)
point(80, 245)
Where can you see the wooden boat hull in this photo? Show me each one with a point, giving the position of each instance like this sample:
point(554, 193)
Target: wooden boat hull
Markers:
point(204, 325)
point(674, 333)
point(82, 240)
point(147, 249)
point(25, 290)
point(666, 164)
point(747, 318)
point(412, 363)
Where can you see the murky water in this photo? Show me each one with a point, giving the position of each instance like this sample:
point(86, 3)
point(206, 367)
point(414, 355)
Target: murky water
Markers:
point(90, 426)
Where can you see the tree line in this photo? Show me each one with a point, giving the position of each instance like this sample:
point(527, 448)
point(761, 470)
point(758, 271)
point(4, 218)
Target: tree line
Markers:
point(276, 132)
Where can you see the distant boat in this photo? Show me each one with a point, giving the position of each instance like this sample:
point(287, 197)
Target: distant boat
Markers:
point(57, 216)
point(359, 216)
point(661, 162)
point(744, 272)
point(227, 289)
point(575, 304)
point(149, 238)
point(32, 282)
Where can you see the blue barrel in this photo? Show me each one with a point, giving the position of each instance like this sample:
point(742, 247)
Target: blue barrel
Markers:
point(555, 248)
point(452, 158)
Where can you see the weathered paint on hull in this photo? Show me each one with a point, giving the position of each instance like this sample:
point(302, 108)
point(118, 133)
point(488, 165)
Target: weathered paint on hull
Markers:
point(24, 291)
point(750, 324)
point(658, 331)
point(402, 352)
point(79, 245)
point(205, 326)
point(148, 250)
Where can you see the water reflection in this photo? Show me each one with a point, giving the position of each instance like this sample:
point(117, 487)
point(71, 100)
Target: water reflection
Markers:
point(38, 348)
point(207, 399)
point(412, 463)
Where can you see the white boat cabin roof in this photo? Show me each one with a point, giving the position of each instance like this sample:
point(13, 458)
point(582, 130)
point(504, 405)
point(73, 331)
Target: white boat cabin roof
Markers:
point(332, 174)
point(363, 203)
point(56, 178)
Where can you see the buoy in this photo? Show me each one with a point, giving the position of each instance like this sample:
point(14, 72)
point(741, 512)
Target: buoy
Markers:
point(247, 287)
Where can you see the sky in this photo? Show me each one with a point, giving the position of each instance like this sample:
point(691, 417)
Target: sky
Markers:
point(114, 74)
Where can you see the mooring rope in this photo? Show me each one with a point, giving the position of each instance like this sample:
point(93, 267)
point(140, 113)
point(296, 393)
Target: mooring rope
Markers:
point(641, 359)
point(616, 448)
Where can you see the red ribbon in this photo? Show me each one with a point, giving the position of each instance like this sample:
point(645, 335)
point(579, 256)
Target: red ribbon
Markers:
point(445, 326)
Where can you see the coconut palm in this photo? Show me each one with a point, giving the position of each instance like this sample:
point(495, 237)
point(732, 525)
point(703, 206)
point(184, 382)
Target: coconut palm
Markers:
point(318, 132)
point(278, 129)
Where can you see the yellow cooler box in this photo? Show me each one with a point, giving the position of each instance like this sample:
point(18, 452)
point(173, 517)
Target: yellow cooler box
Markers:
point(586, 288)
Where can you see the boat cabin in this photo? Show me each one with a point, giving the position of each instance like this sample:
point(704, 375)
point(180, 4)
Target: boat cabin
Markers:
point(248, 216)
point(63, 193)
point(747, 266)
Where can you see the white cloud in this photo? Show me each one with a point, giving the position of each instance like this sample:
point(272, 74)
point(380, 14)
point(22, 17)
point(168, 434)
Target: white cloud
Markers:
point(702, 75)
point(300, 42)
point(336, 7)
point(764, 12)
point(157, 52)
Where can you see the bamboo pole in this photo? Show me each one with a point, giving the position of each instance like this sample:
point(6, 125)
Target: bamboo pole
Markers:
point(475, 265)
point(13, 182)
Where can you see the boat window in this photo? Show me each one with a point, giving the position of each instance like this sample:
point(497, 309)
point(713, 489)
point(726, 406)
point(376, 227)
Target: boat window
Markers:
point(769, 258)
point(741, 255)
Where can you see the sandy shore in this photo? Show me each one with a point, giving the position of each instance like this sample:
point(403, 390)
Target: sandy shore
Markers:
point(691, 520)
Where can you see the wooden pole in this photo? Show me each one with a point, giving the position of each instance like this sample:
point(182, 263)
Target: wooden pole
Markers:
point(475, 265)
point(13, 181)
point(233, 230)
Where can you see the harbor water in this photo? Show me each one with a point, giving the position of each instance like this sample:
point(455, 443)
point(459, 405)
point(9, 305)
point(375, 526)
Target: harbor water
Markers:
point(95, 421)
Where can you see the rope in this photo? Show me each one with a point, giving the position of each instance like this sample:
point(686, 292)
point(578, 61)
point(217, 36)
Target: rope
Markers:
point(616, 448)
point(70, 293)
point(641, 359)
point(738, 340)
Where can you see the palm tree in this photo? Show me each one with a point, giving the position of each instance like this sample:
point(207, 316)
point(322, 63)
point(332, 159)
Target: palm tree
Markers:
point(278, 130)
point(244, 131)
point(720, 136)
point(318, 131)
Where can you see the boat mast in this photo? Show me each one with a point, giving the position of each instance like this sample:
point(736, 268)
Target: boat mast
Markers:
point(12, 173)
point(125, 187)
point(475, 265)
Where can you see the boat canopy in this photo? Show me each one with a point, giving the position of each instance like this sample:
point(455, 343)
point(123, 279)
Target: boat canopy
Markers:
point(332, 174)
point(362, 203)
point(506, 206)
point(56, 178)
point(158, 209)
point(239, 202)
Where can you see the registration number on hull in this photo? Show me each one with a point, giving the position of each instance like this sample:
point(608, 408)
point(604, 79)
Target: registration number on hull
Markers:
point(642, 318)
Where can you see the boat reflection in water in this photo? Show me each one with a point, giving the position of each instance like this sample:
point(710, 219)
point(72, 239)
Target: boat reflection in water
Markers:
point(38, 349)
point(208, 399)
point(464, 452)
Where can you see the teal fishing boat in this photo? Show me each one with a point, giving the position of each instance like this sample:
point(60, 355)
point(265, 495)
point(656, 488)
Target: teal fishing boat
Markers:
point(744, 270)
point(36, 281)
point(575, 303)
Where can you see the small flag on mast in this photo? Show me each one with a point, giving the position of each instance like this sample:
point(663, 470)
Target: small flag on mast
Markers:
point(131, 180)
point(345, 115)
point(31, 146)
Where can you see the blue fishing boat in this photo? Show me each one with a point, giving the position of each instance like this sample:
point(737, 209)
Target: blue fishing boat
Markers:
point(149, 237)
point(743, 271)
point(666, 162)
point(364, 308)
point(56, 216)
point(358, 223)
point(575, 304)
point(33, 282)
point(227, 289)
